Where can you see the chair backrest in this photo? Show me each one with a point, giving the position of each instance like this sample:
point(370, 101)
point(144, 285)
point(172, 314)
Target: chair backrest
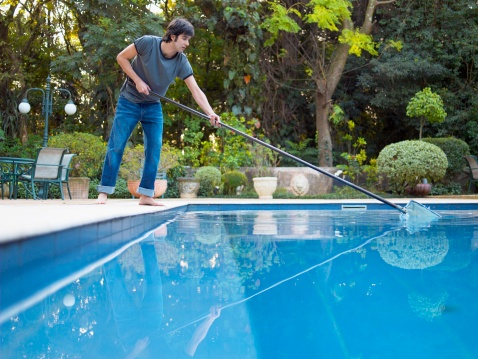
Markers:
point(472, 165)
point(48, 163)
point(66, 166)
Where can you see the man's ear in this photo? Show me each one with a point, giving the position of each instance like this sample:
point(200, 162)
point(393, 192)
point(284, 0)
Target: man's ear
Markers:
point(173, 38)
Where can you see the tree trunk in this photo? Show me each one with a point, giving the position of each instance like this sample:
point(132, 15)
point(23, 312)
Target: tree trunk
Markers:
point(323, 130)
point(323, 98)
point(326, 84)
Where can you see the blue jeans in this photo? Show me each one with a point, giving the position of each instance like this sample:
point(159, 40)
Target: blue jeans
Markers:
point(127, 116)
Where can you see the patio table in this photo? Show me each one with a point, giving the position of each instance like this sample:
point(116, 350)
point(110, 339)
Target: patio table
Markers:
point(14, 167)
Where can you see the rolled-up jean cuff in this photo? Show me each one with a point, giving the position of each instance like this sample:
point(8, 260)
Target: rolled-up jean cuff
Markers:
point(105, 189)
point(145, 191)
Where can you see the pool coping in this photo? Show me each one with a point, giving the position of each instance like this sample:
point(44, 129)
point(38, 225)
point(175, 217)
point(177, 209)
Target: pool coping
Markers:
point(22, 219)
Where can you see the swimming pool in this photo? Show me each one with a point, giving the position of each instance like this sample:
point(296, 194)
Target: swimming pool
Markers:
point(248, 284)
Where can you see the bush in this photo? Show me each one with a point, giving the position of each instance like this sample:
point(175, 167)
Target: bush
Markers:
point(89, 149)
point(121, 189)
point(451, 188)
point(172, 175)
point(454, 150)
point(406, 163)
point(232, 180)
point(209, 177)
point(12, 147)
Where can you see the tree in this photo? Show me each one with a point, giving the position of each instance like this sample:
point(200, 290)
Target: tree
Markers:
point(428, 106)
point(437, 52)
point(325, 33)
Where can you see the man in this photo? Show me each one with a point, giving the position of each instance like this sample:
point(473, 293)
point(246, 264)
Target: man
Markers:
point(156, 63)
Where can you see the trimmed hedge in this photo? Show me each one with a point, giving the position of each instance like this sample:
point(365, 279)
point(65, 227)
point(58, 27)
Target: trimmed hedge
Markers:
point(209, 177)
point(406, 163)
point(232, 180)
point(454, 149)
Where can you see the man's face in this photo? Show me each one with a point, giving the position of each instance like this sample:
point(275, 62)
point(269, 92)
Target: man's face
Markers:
point(181, 42)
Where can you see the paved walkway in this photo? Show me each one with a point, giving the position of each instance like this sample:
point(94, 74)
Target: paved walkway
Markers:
point(23, 218)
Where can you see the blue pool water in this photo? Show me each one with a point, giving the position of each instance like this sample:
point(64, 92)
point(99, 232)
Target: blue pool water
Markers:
point(249, 284)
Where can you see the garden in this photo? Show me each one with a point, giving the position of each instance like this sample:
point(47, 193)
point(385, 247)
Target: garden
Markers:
point(381, 102)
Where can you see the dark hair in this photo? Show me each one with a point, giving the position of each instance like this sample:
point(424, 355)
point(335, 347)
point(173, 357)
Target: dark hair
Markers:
point(178, 27)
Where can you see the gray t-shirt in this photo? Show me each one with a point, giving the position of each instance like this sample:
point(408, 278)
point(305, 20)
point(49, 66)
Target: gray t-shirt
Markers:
point(155, 69)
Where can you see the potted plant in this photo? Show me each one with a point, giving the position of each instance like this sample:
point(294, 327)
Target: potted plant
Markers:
point(90, 152)
point(265, 180)
point(132, 167)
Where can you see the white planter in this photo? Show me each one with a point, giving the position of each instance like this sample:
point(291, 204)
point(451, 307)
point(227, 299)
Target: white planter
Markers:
point(265, 186)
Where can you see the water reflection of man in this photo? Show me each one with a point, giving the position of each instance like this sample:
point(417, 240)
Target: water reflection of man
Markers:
point(138, 326)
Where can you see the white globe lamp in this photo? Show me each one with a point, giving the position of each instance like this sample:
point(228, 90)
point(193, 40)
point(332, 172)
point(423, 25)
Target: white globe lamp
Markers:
point(24, 106)
point(70, 108)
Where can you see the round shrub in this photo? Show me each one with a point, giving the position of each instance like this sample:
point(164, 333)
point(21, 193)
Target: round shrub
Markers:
point(89, 149)
point(209, 177)
point(454, 149)
point(232, 180)
point(406, 163)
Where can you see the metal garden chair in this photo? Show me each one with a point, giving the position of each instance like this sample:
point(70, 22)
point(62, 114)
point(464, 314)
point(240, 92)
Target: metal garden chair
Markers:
point(65, 171)
point(46, 170)
point(472, 163)
point(5, 178)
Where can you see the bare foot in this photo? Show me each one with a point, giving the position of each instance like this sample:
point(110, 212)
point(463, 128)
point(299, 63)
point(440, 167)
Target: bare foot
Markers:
point(102, 197)
point(148, 201)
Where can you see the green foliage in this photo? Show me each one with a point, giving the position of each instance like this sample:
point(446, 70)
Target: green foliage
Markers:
point(132, 163)
point(304, 149)
point(264, 158)
point(209, 178)
point(358, 42)
point(406, 163)
point(454, 149)
point(133, 160)
point(89, 149)
point(121, 189)
point(14, 148)
point(235, 151)
point(451, 188)
point(232, 180)
point(327, 14)
point(280, 20)
point(356, 156)
point(170, 157)
point(192, 139)
point(172, 175)
point(428, 106)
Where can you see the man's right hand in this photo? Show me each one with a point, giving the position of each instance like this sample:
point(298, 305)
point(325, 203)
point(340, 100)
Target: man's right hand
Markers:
point(142, 87)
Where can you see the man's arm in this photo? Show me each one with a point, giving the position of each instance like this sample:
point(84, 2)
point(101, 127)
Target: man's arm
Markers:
point(124, 60)
point(202, 101)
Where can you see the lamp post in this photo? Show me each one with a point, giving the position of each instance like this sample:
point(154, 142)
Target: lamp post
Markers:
point(47, 105)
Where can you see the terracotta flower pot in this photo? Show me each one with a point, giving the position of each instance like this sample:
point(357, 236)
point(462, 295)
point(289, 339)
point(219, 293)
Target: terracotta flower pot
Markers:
point(160, 186)
point(422, 189)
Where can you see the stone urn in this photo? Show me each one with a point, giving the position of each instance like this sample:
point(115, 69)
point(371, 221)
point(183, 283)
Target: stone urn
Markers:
point(188, 187)
point(265, 186)
point(160, 186)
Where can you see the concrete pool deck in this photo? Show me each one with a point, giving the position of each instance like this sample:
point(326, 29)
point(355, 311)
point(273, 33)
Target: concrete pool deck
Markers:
point(21, 219)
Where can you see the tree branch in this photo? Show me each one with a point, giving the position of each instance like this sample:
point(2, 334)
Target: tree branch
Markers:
point(385, 2)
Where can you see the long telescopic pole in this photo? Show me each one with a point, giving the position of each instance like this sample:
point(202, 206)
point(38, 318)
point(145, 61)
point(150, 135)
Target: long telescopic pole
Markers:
point(297, 159)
